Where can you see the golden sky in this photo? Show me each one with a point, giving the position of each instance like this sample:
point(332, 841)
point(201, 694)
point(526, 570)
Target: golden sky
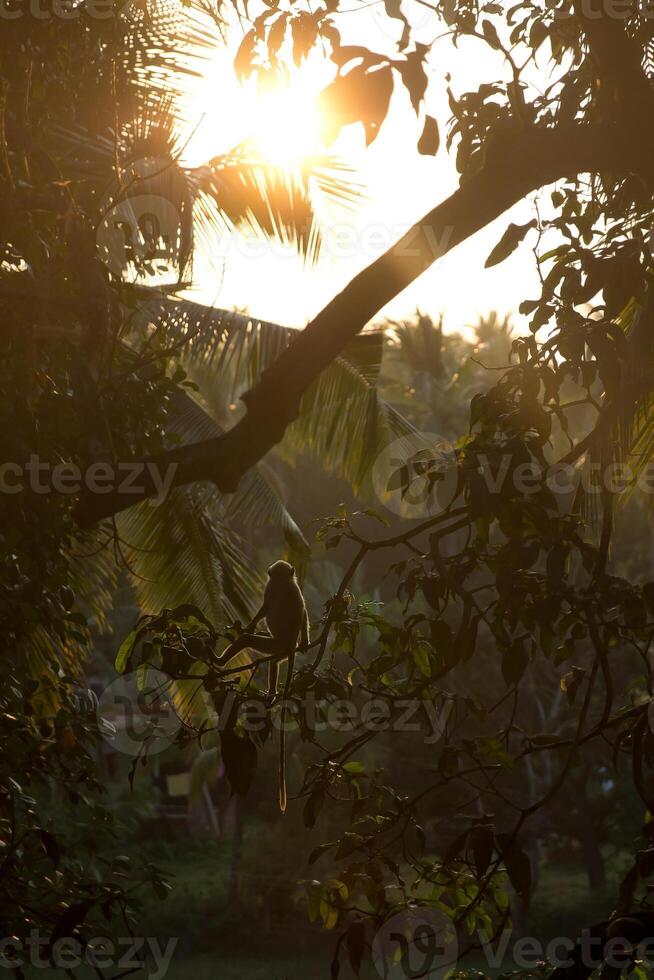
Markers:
point(274, 283)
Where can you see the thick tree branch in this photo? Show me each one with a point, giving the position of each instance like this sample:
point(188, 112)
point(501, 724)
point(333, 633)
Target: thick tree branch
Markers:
point(514, 167)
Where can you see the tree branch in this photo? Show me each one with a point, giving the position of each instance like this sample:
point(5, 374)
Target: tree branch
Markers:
point(514, 167)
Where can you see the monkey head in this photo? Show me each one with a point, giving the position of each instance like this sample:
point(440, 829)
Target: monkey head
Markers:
point(280, 571)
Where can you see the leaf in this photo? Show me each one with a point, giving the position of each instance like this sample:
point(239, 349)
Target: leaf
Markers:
point(240, 760)
point(490, 33)
point(305, 31)
point(514, 662)
point(413, 74)
point(421, 659)
point(243, 61)
point(571, 682)
point(517, 865)
point(125, 651)
point(312, 808)
point(361, 95)
point(508, 243)
point(482, 837)
point(430, 139)
point(276, 36)
point(393, 9)
point(355, 942)
point(70, 920)
point(455, 848)
point(51, 846)
point(317, 852)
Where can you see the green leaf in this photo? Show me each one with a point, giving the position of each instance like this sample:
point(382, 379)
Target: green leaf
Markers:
point(125, 651)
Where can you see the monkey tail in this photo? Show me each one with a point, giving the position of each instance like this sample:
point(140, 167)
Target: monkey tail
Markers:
point(282, 765)
point(283, 799)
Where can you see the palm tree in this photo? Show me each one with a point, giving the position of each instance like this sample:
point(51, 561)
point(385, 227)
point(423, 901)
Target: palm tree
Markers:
point(133, 215)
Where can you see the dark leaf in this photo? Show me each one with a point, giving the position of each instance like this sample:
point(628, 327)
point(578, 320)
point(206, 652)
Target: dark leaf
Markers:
point(508, 243)
point(355, 942)
point(517, 865)
point(305, 31)
point(243, 65)
point(413, 74)
point(514, 662)
point(490, 33)
point(482, 839)
point(51, 846)
point(359, 96)
point(70, 920)
point(430, 139)
point(312, 808)
point(240, 760)
point(317, 852)
point(276, 35)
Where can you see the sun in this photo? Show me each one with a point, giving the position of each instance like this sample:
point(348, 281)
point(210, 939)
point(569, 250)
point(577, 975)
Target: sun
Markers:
point(280, 118)
point(285, 123)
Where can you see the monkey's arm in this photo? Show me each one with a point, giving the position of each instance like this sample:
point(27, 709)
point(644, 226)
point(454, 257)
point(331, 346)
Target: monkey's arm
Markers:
point(257, 619)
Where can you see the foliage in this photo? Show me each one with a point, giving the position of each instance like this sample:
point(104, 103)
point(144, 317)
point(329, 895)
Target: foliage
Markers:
point(515, 613)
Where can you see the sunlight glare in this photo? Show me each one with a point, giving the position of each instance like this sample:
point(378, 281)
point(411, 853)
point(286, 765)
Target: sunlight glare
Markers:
point(286, 124)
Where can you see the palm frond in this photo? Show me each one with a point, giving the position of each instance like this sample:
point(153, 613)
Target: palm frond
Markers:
point(180, 553)
point(256, 503)
point(343, 419)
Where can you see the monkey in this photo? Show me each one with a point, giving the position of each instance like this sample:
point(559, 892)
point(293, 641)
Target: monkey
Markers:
point(286, 616)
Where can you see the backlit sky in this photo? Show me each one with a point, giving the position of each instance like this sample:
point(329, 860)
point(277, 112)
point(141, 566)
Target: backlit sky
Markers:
point(275, 284)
